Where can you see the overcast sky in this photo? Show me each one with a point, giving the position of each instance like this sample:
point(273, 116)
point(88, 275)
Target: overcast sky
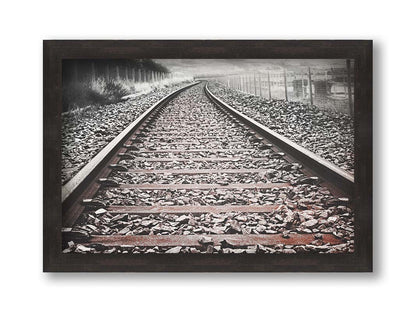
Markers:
point(196, 67)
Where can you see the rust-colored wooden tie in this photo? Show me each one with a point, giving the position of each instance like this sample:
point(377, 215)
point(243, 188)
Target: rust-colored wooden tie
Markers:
point(240, 240)
point(194, 209)
point(196, 171)
point(197, 159)
point(201, 186)
point(210, 150)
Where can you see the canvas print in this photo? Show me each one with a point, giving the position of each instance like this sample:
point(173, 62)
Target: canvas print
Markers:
point(208, 156)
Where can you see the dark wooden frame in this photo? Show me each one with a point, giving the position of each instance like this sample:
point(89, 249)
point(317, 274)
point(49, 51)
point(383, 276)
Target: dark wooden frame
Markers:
point(55, 51)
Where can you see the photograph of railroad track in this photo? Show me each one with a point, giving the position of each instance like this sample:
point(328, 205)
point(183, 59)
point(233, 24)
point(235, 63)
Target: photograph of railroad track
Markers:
point(207, 156)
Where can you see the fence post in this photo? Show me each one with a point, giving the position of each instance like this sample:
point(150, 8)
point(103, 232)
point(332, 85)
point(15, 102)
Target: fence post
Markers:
point(117, 72)
point(260, 86)
point(268, 81)
point(255, 85)
point(303, 87)
point(310, 85)
point(326, 82)
point(133, 74)
point(349, 87)
point(127, 73)
point(285, 82)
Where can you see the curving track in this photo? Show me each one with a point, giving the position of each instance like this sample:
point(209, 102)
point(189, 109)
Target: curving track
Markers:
point(193, 175)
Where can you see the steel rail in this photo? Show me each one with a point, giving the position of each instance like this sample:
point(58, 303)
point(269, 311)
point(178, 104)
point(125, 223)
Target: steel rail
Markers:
point(341, 179)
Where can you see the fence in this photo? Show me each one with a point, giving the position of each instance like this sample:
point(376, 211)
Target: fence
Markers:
point(327, 88)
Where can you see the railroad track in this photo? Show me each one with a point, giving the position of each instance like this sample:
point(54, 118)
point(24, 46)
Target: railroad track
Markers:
point(194, 175)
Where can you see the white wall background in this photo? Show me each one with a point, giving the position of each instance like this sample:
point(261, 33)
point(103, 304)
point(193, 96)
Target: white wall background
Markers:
point(23, 26)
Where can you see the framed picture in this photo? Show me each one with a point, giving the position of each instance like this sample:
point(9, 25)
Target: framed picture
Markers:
point(208, 155)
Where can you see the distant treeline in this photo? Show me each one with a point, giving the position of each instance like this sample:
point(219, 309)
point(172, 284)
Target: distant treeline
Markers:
point(99, 82)
point(135, 70)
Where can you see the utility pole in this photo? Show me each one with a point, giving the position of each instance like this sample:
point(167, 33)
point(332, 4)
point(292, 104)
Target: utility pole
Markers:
point(310, 85)
point(349, 87)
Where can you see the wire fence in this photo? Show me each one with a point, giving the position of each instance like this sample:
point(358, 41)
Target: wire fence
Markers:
point(327, 88)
